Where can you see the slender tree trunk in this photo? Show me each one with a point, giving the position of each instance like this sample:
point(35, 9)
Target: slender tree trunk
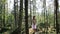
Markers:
point(34, 7)
point(0, 15)
point(56, 10)
point(4, 15)
point(54, 15)
point(26, 17)
point(20, 16)
point(44, 6)
point(30, 13)
point(15, 13)
point(54, 18)
point(45, 15)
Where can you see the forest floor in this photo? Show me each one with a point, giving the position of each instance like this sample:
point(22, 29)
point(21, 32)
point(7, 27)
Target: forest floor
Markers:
point(31, 31)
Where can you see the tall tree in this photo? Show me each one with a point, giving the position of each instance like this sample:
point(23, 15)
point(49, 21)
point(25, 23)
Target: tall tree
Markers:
point(45, 15)
point(30, 13)
point(15, 13)
point(20, 16)
point(44, 6)
point(56, 11)
point(34, 7)
point(0, 14)
point(26, 17)
point(3, 7)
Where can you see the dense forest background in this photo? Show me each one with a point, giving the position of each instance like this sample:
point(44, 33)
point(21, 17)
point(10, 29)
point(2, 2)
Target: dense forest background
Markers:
point(13, 15)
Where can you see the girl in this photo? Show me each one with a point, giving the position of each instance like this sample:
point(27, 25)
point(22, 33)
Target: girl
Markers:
point(34, 24)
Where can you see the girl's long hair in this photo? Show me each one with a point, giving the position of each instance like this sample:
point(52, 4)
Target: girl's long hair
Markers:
point(33, 17)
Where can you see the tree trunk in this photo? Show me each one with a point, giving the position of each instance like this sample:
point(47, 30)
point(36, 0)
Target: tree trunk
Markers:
point(26, 17)
point(20, 16)
point(4, 14)
point(56, 11)
point(45, 15)
point(30, 14)
point(15, 13)
point(34, 7)
point(0, 15)
point(44, 6)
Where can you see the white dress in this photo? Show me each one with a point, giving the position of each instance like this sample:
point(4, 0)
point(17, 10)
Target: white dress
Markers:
point(33, 26)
